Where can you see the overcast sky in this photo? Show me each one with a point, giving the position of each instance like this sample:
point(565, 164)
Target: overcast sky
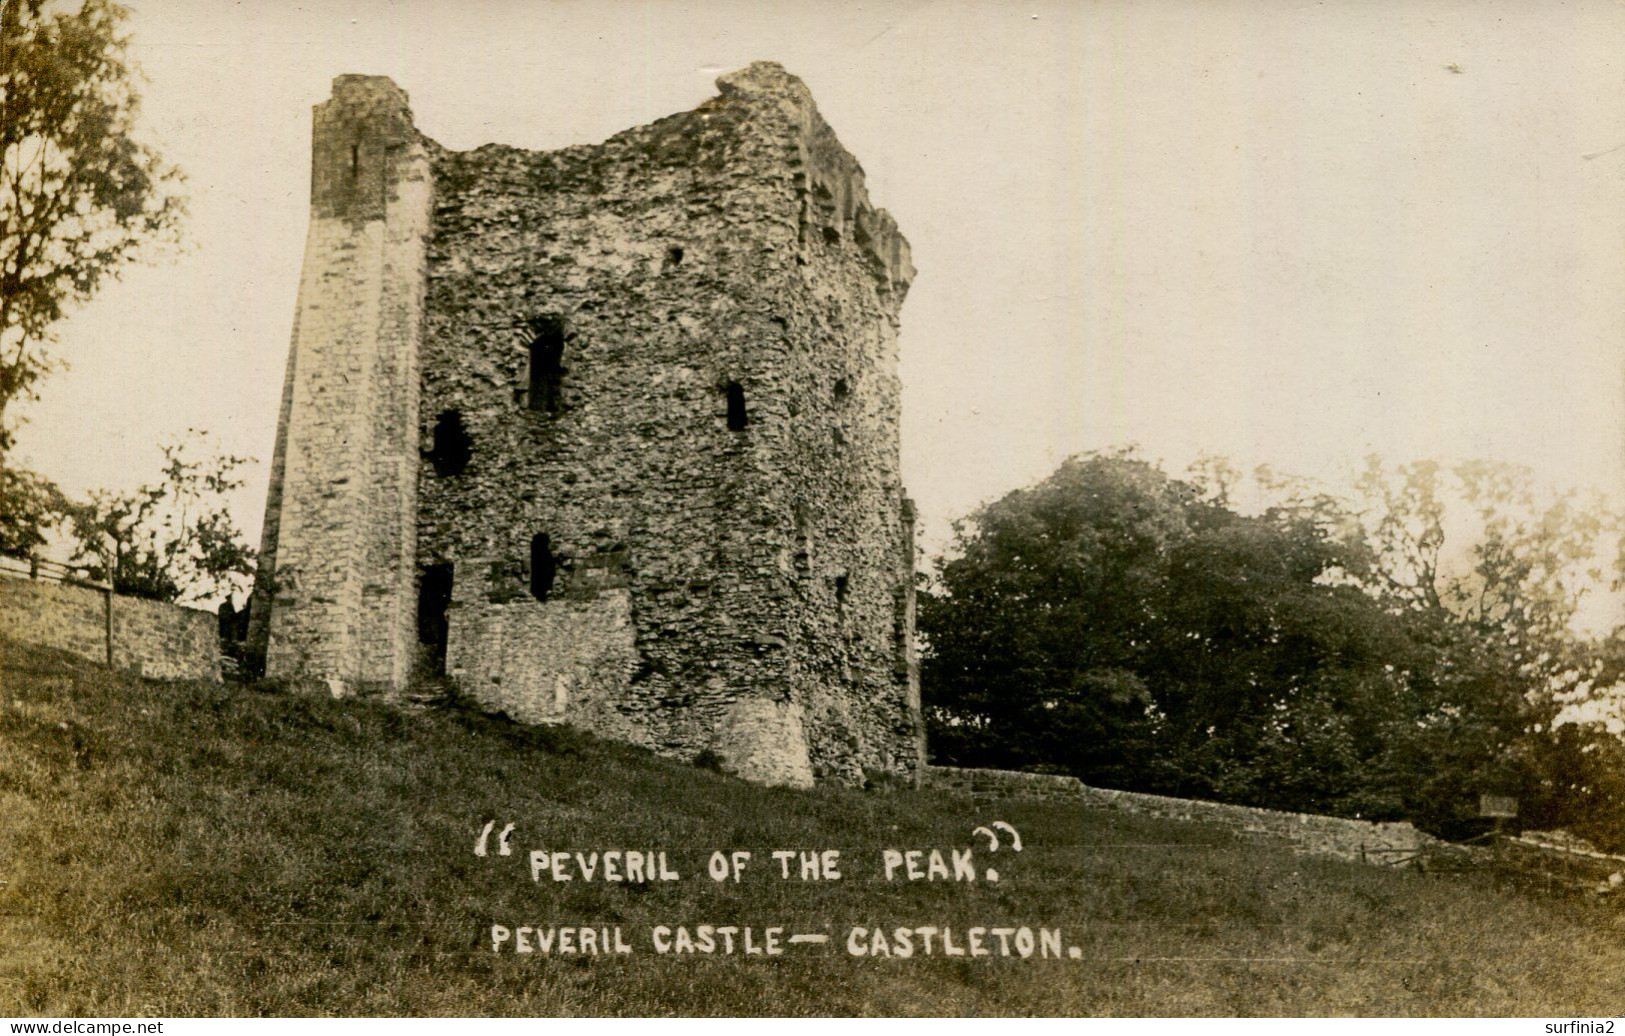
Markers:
point(1290, 233)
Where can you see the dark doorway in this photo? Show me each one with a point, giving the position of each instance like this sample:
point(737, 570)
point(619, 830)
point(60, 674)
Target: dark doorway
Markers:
point(434, 601)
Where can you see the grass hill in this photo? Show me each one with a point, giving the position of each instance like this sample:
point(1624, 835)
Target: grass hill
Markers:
point(196, 849)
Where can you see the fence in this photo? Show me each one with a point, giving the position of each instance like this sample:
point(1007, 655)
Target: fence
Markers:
point(37, 568)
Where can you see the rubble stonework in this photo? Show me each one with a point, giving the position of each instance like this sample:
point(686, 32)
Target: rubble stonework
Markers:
point(605, 435)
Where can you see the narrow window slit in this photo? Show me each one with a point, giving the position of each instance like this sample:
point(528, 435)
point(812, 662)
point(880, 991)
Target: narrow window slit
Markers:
point(544, 337)
point(543, 566)
point(737, 418)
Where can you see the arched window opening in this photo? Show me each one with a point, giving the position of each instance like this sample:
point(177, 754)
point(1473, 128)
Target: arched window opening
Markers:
point(452, 446)
point(544, 566)
point(842, 390)
point(737, 418)
point(544, 337)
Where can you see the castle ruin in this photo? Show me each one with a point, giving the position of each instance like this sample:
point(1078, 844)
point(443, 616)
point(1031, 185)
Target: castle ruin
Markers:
point(606, 435)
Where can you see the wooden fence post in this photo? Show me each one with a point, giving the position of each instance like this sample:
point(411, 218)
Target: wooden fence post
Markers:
point(107, 610)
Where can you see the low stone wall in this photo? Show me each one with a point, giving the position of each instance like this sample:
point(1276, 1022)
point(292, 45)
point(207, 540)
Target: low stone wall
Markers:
point(987, 785)
point(1308, 832)
point(150, 638)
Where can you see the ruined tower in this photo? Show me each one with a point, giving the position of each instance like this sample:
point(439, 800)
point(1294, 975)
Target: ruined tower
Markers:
point(605, 435)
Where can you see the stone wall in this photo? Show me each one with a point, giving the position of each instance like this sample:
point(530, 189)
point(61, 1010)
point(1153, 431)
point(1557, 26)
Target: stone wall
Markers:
point(150, 638)
point(991, 785)
point(540, 662)
point(341, 516)
point(1329, 836)
point(748, 605)
point(653, 482)
point(851, 605)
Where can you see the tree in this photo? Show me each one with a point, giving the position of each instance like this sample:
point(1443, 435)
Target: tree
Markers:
point(1042, 620)
point(1392, 656)
point(172, 539)
point(1516, 562)
point(29, 506)
point(1127, 627)
point(1278, 679)
point(1491, 572)
point(79, 196)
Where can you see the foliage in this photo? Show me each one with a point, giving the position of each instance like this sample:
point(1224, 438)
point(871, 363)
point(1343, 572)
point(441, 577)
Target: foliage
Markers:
point(1529, 560)
point(1581, 777)
point(1129, 628)
point(706, 759)
point(1492, 573)
point(1328, 655)
point(30, 505)
point(171, 539)
point(79, 195)
point(1041, 622)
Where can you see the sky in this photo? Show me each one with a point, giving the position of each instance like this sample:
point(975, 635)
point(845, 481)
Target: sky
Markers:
point(1289, 233)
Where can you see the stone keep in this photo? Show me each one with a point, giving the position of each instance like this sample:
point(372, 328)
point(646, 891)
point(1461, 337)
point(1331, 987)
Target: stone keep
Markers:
point(605, 435)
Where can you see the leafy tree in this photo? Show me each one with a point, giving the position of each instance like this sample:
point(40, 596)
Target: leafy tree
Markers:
point(79, 195)
point(1581, 778)
point(1278, 680)
point(1494, 614)
point(1580, 755)
point(29, 507)
point(1214, 477)
point(1130, 628)
point(172, 539)
point(1044, 617)
point(1405, 513)
point(1392, 656)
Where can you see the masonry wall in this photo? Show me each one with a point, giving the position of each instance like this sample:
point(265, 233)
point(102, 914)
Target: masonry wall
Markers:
point(692, 533)
point(699, 600)
point(341, 514)
point(150, 638)
point(851, 607)
point(1329, 836)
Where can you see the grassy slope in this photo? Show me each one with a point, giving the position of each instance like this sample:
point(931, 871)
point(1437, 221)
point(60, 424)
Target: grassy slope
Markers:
point(186, 849)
